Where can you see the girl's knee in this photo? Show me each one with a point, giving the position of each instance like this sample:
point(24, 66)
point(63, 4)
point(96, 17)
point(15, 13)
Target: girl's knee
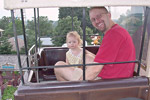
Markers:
point(60, 63)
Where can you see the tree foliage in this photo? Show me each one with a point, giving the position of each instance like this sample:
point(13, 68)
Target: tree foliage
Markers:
point(131, 22)
point(5, 46)
point(9, 29)
point(46, 29)
point(78, 11)
point(64, 26)
point(89, 32)
point(45, 26)
point(4, 21)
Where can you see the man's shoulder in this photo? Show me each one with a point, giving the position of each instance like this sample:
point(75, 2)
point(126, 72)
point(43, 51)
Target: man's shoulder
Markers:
point(118, 28)
point(119, 31)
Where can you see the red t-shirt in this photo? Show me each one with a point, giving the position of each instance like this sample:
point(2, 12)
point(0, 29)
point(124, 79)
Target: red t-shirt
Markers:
point(117, 46)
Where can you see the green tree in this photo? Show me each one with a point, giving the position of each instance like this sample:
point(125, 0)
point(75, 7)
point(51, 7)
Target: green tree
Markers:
point(64, 26)
point(4, 21)
point(5, 46)
point(77, 11)
point(30, 40)
point(89, 32)
point(121, 19)
point(9, 29)
point(131, 22)
point(45, 26)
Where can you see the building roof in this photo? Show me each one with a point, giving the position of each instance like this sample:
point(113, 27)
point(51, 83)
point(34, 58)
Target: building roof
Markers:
point(46, 41)
point(18, 36)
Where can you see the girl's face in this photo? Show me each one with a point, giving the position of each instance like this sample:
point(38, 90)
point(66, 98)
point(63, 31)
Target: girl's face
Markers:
point(72, 42)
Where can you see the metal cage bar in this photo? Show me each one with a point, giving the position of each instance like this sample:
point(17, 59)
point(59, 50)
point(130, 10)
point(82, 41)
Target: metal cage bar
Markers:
point(35, 28)
point(17, 46)
point(143, 38)
point(84, 38)
point(38, 28)
point(58, 66)
point(36, 44)
point(24, 35)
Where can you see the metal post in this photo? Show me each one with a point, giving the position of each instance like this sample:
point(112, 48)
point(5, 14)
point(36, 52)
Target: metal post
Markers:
point(17, 47)
point(38, 28)
point(25, 40)
point(36, 63)
point(143, 37)
point(84, 27)
point(35, 28)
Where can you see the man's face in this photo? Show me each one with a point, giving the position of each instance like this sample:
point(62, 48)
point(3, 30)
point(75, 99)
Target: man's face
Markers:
point(100, 19)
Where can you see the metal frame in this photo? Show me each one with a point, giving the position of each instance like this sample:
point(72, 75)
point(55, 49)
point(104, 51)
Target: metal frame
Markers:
point(17, 46)
point(84, 32)
point(143, 37)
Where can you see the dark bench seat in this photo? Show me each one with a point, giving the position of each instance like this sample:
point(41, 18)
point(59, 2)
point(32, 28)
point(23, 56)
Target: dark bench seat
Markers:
point(49, 56)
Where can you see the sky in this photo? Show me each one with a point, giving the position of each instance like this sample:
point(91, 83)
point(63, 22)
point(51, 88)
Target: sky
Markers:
point(52, 13)
point(3, 12)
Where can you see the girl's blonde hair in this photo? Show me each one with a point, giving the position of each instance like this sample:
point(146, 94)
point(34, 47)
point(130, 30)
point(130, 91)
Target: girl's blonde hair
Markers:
point(76, 35)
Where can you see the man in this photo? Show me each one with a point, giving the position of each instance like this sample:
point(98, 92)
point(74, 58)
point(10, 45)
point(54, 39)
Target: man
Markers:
point(117, 46)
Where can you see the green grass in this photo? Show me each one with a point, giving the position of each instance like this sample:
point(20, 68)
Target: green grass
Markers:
point(9, 93)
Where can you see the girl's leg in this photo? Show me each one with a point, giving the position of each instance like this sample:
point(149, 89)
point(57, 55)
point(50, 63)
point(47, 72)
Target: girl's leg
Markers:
point(63, 73)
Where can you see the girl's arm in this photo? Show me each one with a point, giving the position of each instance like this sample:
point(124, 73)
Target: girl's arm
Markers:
point(67, 60)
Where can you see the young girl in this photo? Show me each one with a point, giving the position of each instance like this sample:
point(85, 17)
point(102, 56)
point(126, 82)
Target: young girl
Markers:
point(73, 56)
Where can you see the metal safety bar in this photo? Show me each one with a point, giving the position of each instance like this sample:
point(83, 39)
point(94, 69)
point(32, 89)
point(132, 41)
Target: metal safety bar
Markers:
point(84, 38)
point(36, 45)
point(38, 28)
point(17, 46)
point(84, 32)
point(24, 35)
point(143, 38)
point(58, 66)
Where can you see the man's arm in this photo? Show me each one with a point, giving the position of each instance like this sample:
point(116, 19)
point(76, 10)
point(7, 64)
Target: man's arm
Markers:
point(92, 72)
point(89, 53)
